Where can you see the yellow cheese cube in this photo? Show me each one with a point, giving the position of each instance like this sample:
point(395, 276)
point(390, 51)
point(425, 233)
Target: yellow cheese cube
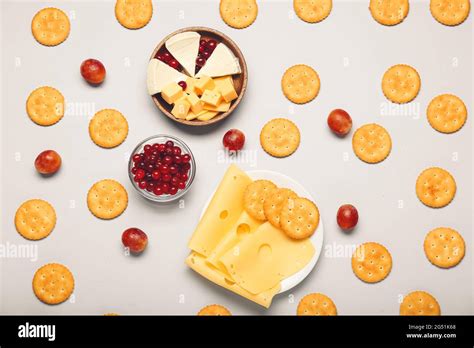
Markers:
point(226, 87)
point(207, 115)
point(223, 107)
point(181, 108)
point(211, 97)
point(172, 93)
point(203, 83)
point(196, 104)
point(190, 81)
point(191, 115)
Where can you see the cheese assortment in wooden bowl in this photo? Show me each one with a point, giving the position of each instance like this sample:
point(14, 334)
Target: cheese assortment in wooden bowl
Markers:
point(240, 245)
point(197, 76)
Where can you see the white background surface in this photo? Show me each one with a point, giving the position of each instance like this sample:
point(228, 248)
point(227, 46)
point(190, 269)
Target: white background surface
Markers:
point(349, 50)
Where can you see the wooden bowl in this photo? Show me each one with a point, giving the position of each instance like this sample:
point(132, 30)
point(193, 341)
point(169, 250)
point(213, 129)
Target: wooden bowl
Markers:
point(240, 80)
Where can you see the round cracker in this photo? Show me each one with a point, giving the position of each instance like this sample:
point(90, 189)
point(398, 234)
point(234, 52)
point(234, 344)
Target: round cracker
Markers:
point(214, 309)
point(35, 219)
point(50, 26)
point(274, 203)
point(435, 187)
point(371, 143)
point(401, 84)
point(133, 14)
point(444, 247)
point(316, 304)
point(238, 14)
point(299, 218)
point(45, 106)
point(389, 12)
point(53, 283)
point(312, 11)
point(255, 195)
point(300, 84)
point(371, 262)
point(108, 128)
point(419, 303)
point(280, 137)
point(446, 113)
point(450, 12)
point(107, 199)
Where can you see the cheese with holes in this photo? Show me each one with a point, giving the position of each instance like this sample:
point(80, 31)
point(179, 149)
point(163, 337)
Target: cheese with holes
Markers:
point(222, 62)
point(261, 261)
point(225, 208)
point(213, 97)
point(199, 264)
point(184, 47)
point(160, 74)
point(243, 227)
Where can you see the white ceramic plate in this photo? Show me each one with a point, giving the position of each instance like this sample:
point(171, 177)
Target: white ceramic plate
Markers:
point(318, 236)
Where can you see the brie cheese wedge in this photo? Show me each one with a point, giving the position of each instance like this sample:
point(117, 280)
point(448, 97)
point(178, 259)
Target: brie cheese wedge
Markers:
point(185, 48)
point(222, 62)
point(160, 74)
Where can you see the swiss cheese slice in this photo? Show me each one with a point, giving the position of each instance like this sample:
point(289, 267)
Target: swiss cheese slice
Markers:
point(198, 263)
point(185, 48)
point(222, 213)
point(243, 227)
point(222, 62)
point(265, 258)
point(160, 74)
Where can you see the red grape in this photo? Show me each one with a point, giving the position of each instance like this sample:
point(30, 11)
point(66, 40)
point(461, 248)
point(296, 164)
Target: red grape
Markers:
point(93, 71)
point(48, 162)
point(135, 239)
point(340, 122)
point(234, 140)
point(347, 217)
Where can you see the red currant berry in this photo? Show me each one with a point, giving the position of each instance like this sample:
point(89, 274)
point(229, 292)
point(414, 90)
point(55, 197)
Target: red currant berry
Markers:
point(173, 169)
point(158, 190)
point(156, 175)
point(173, 190)
point(200, 61)
point(140, 174)
point(174, 64)
point(164, 169)
point(185, 158)
point(176, 150)
point(211, 45)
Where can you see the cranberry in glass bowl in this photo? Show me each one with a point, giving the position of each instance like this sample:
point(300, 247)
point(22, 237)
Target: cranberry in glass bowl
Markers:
point(162, 168)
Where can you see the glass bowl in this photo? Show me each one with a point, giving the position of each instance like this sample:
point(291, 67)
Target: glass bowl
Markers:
point(160, 139)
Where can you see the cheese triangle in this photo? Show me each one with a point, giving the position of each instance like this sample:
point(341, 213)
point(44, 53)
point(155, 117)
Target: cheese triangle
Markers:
point(222, 62)
point(185, 48)
point(160, 74)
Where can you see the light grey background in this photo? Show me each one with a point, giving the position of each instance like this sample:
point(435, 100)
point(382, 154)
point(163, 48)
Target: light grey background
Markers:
point(349, 50)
